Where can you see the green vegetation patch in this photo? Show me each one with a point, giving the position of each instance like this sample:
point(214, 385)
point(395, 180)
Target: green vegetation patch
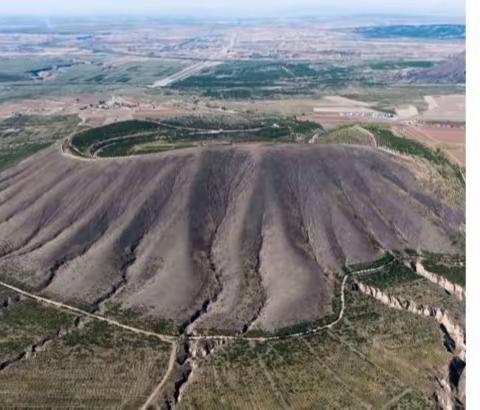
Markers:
point(391, 275)
point(384, 260)
point(270, 79)
point(136, 318)
point(426, 293)
point(348, 134)
point(386, 138)
point(411, 401)
point(248, 74)
point(140, 137)
point(12, 156)
point(23, 135)
point(30, 313)
point(96, 367)
point(102, 334)
point(447, 170)
point(84, 140)
point(26, 322)
point(450, 267)
point(399, 65)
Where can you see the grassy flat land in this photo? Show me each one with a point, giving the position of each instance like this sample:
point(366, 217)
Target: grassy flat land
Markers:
point(24, 135)
point(75, 76)
point(93, 366)
point(24, 323)
point(96, 367)
point(395, 273)
point(374, 357)
point(451, 267)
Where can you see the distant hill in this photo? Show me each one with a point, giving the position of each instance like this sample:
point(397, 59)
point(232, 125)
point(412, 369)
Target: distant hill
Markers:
point(451, 71)
point(428, 31)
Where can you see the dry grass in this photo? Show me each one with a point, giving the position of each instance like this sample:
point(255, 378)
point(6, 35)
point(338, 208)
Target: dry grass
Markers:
point(96, 367)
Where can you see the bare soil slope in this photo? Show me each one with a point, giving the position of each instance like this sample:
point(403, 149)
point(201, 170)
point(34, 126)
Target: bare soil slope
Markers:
point(229, 238)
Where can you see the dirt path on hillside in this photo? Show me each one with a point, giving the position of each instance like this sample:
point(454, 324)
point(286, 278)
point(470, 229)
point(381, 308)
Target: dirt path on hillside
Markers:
point(173, 340)
point(171, 363)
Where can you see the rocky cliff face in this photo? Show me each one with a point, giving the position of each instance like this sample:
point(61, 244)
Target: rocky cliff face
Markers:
point(450, 287)
point(455, 331)
point(450, 389)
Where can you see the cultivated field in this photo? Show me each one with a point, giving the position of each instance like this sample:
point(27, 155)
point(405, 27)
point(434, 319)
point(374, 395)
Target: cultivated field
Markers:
point(450, 138)
point(445, 107)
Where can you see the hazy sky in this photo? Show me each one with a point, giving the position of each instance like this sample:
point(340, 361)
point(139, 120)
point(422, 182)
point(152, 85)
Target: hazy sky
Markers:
point(231, 7)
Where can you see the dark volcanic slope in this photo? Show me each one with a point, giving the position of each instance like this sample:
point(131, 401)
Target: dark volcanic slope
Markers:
point(230, 237)
point(451, 71)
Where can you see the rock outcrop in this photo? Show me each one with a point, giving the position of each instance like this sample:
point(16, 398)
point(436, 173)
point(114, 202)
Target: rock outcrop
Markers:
point(439, 280)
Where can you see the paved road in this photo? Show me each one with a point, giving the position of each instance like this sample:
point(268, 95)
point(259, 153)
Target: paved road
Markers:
point(197, 67)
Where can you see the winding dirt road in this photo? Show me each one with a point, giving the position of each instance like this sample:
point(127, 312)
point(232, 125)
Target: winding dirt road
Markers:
point(173, 340)
point(158, 388)
point(73, 309)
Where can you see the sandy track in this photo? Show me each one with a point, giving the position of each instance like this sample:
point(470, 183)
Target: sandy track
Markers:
point(171, 363)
